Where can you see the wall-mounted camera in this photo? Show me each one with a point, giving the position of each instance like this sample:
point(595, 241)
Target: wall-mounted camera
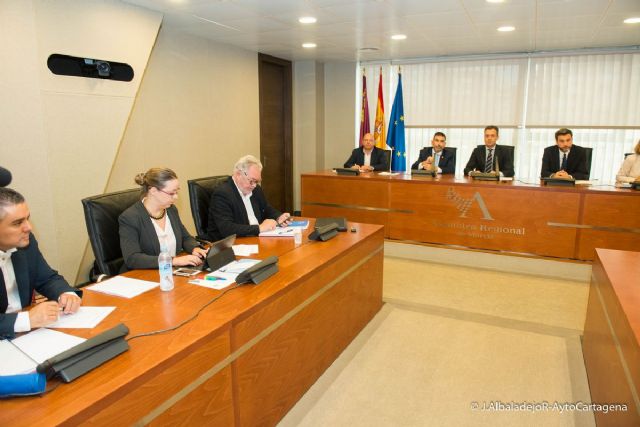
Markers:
point(66, 65)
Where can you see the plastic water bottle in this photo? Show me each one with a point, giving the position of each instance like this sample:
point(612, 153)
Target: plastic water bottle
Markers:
point(165, 267)
point(297, 237)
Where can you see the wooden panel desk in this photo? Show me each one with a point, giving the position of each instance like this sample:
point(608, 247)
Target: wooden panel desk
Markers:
point(611, 343)
point(563, 222)
point(244, 360)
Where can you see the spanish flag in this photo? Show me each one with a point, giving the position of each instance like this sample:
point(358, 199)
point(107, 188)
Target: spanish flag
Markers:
point(364, 110)
point(378, 128)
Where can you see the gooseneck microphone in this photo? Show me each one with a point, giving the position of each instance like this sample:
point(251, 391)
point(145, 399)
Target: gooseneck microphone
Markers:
point(5, 177)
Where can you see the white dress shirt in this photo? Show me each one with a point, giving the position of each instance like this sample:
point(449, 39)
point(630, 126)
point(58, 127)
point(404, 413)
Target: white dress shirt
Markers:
point(367, 157)
point(167, 234)
point(13, 296)
point(630, 169)
point(253, 220)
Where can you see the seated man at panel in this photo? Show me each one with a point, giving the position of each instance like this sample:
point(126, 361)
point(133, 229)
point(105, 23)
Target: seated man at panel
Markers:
point(238, 205)
point(25, 270)
point(443, 158)
point(484, 158)
point(564, 160)
point(367, 158)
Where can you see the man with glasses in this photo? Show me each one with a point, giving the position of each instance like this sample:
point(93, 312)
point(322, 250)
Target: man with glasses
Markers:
point(238, 205)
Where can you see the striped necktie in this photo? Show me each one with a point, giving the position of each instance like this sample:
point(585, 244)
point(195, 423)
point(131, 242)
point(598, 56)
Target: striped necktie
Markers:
point(488, 166)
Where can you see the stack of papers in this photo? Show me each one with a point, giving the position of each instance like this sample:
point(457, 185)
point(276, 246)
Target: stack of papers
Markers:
point(123, 286)
point(23, 354)
point(278, 232)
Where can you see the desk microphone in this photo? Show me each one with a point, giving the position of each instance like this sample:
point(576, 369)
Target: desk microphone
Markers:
point(5, 177)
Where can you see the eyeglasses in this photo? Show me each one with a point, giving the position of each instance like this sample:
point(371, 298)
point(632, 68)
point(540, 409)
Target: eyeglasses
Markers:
point(251, 180)
point(172, 194)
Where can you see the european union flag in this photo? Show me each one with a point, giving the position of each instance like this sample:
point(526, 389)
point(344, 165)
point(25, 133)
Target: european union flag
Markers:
point(395, 137)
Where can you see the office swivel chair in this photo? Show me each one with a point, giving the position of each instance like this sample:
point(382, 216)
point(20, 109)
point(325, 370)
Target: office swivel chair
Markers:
point(101, 216)
point(588, 155)
point(387, 154)
point(200, 191)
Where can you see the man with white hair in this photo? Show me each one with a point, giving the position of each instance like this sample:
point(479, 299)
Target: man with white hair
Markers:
point(238, 205)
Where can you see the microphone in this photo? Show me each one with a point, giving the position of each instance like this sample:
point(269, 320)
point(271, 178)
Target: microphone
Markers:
point(5, 177)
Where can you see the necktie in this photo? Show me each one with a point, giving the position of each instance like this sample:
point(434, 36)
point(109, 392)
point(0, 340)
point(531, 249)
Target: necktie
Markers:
point(488, 167)
point(563, 166)
point(436, 160)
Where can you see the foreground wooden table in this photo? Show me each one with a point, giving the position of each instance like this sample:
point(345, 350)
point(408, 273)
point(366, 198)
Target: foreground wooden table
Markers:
point(563, 222)
point(244, 360)
point(611, 343)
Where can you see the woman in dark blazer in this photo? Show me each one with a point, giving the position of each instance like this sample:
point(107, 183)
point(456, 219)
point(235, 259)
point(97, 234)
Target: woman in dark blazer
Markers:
point(153, 221)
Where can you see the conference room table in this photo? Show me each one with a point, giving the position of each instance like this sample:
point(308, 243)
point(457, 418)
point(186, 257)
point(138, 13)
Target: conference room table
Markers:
point(505, 216)
point(245, 359)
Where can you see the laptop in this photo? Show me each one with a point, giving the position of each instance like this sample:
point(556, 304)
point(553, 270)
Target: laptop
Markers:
point(219, 252)
point(341, 222)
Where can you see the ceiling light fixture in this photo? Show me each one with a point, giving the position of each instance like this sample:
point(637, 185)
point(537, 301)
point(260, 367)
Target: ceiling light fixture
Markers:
point(309, 45)
point(307, 20)
point(506, 29)
point(398, 37)
point(632, 21)
point(495, 1)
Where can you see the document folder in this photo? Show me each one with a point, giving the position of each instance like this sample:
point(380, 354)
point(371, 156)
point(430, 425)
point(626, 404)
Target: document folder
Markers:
point(84, 357)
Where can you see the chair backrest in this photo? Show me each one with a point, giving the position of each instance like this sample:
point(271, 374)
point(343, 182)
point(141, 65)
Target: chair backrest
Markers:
point(101, 216)
point(387, 154)
point(200, 190)
point(588, 153)
point(627, 154)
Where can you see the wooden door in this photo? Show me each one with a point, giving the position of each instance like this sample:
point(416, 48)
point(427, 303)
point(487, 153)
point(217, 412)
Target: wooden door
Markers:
point(276, 130)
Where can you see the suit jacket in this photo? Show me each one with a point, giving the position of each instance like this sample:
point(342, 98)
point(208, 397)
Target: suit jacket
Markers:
point(139, 241)
point(227, 214)
point(378, 159)
point(576, 162)
point(32, 273)
point(447, 159)
point(479, 155)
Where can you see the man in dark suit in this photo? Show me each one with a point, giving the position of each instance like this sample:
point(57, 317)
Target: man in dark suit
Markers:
point(25, 270)
point(437, 155)
point(367, 158)
point(564, 160)
point(238, 206)
point(492, 152)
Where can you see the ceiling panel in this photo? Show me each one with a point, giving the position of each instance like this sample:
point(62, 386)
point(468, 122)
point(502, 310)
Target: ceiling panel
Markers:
point(433, 27)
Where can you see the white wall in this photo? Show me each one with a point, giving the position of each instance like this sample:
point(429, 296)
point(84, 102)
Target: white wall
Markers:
point(60, 134)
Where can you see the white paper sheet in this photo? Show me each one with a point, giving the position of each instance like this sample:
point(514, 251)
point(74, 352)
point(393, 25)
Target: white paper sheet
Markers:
point(237, 267)
point(14, 361)
point(245, 250)
point(278, 232)
point(123, 286)
point(85, 317)
point(216, 280)
point(43, 343)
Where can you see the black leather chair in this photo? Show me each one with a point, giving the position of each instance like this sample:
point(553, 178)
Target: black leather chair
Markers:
point(200, 190)
point(101, 215)
point(387, 154)
point(588, 155)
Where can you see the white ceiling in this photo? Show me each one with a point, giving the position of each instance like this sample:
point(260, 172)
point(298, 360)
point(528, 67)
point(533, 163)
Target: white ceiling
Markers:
point(433, 27)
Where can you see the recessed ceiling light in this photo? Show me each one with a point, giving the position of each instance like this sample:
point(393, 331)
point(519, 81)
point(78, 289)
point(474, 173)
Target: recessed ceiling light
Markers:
point(308, 45)
point(495, 1)
point(506, 28)
point(307, 20)
point(632, 21)
point(398, 37)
